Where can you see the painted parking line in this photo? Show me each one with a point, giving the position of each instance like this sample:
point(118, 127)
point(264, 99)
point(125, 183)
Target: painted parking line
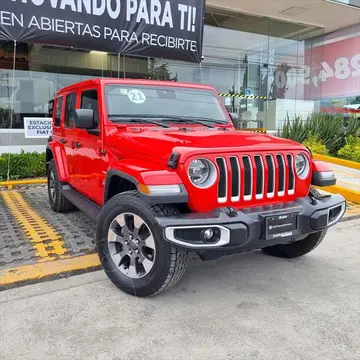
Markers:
point(46, 241)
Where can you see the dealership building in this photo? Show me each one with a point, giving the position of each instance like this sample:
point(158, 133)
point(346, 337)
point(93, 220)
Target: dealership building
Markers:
point(282, 58)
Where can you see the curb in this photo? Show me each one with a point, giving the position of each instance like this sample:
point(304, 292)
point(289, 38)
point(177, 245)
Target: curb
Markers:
point(51, 270)
point(348, 194)
point(10, 184)
point(337, 161)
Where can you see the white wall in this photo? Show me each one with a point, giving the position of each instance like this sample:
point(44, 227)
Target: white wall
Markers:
point(279, 109)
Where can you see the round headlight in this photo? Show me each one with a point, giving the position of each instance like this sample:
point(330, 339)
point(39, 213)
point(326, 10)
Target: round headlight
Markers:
point(301, 166)
point(202, 173)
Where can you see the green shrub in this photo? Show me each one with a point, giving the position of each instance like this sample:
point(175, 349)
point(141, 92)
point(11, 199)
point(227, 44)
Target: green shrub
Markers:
point(23, 165)
point(315, 145)
point(329, 129)
point(351, 150)
point(352, 127)
point(296, 130)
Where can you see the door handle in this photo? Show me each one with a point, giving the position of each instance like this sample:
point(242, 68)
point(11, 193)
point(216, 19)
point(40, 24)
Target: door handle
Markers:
point(76, 144)
point(63, 141)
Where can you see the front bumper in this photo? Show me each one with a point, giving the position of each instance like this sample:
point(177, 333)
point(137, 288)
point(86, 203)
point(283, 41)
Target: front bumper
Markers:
point(248, 229)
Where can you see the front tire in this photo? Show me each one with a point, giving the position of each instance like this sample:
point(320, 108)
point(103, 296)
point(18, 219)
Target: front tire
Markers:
point(131, 247)
point(298, 248)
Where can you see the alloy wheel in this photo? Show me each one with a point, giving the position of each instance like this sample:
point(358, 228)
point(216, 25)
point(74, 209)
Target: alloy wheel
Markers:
point(131, 245)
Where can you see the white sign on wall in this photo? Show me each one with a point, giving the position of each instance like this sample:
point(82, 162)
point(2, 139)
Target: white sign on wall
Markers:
point(227, 101)
point(37, 127)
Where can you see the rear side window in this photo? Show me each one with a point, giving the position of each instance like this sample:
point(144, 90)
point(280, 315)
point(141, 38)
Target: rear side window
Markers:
point(58, 111)
point(70, 110)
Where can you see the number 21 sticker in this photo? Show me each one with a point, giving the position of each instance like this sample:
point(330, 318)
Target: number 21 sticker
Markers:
point(136, 96)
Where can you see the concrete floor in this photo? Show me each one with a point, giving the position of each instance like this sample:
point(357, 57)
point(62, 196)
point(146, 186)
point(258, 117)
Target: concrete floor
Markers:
point(346, 177)
point(249, 306)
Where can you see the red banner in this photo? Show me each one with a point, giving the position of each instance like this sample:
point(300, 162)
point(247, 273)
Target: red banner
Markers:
point(335, 69)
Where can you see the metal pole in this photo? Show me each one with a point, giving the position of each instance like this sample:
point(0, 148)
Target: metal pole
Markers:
point(11, 110)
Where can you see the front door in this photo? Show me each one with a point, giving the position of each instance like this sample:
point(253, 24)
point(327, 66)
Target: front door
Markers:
point(90, 164)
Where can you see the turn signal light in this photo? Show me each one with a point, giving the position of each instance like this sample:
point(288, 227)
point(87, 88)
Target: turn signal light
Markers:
point(159, 189)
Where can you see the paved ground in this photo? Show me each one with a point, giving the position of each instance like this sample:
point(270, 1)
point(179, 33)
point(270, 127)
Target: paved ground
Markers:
point(347, 177)
point(31, 232)
point(249, 306)
point(32, 237)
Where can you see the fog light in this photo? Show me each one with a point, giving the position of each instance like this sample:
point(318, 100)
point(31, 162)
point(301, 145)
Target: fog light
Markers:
point(208, 234)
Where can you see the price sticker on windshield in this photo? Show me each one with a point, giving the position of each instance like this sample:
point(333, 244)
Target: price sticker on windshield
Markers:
point(136, 96)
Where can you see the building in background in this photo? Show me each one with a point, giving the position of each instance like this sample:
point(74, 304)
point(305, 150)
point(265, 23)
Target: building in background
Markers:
point(301, 56)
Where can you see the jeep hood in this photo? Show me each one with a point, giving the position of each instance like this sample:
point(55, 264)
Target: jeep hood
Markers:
point(160, 143)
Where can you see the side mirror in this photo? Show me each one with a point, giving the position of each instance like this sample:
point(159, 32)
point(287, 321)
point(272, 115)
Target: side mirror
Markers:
point(234, 119)
point(84, 118)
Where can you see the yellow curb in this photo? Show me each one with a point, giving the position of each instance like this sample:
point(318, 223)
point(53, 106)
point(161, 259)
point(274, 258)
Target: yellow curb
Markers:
point(40, 271)
point(337, 161)
point(348, 194)
point(12, 183)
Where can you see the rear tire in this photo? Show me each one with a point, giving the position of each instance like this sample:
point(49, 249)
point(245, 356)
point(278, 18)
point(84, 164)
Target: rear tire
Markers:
point(131, 247)
point(58, 202)
point(298, 248)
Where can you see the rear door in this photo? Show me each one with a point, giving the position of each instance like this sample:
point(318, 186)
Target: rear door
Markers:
point(68, 132)
point(90, 164)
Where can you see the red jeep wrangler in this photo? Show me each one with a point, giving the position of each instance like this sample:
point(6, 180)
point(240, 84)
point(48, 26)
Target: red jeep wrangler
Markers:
point(162, 170)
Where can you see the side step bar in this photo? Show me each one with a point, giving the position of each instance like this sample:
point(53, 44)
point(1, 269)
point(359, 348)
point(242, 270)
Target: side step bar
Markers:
point(88, 207)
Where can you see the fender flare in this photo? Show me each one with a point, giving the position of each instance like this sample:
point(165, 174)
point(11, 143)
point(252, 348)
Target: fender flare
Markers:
point(114, 172)
point(322, 174)
point(182, 197)
point(58, 154)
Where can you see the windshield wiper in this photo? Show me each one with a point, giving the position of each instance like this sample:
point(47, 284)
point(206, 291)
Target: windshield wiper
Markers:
point(138, 120)
point(194, 119)
point(207, 120)
point(175, 119)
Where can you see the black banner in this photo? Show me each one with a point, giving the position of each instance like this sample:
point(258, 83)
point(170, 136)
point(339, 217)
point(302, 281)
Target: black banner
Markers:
point(171, 29)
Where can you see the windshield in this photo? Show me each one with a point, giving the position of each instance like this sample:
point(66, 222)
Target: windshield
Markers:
point(162, 102)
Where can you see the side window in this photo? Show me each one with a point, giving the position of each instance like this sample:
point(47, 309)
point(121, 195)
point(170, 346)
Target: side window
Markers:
point(70, 110)
point(59, 103)
point(89, 100)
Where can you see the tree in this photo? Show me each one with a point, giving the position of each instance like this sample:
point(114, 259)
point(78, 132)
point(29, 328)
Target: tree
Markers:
point(160, 71)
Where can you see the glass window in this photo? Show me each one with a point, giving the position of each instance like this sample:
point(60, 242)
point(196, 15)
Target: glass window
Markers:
point(89, 100)
point(162, 102)
point(59, 103)
point(70, 110)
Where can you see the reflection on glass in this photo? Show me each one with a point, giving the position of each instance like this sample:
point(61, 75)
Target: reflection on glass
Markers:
point(166, 103)
point(267, 60)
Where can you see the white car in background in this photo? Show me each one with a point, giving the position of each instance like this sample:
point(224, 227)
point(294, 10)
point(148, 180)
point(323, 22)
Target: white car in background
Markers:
point(353, 107)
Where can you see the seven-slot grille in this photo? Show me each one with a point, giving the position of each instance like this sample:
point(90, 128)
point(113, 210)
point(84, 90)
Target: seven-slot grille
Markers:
point(248, 180)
